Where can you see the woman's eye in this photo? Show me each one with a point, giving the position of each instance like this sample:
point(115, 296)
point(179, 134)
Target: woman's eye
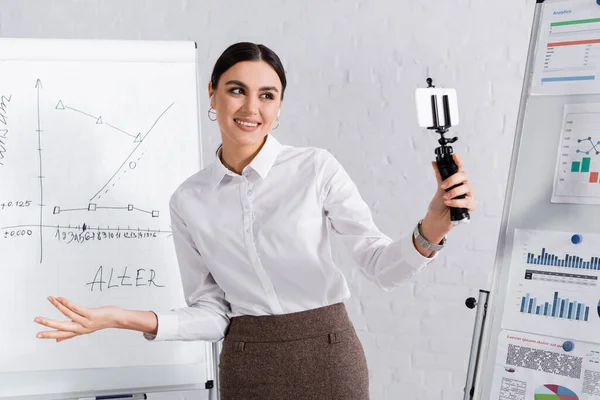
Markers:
point(268, 96)
point(236, 91)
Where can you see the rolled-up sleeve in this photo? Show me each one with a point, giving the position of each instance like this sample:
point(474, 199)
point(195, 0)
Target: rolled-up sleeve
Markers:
point(205, 317)
point(384, 261)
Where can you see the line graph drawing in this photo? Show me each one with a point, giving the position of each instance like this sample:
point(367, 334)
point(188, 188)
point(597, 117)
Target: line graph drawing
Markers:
point(95, 207)
point(131, 166)
point(61, 106)
point(587, 152)
point(80, 233)
point(132, 153)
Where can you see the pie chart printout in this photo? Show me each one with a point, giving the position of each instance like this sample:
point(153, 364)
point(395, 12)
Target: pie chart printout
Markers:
point(554, 392)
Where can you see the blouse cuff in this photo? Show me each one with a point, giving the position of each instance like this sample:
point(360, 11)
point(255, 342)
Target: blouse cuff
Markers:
point(413, 257)
point(168, 327)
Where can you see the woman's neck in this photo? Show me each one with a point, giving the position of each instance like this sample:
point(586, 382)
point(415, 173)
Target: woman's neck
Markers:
point(236, 158)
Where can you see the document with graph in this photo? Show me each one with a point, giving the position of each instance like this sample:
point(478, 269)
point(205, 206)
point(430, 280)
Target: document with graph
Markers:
point(540, 367)
point(567, 59)
point(553, 285)
point(576, 177)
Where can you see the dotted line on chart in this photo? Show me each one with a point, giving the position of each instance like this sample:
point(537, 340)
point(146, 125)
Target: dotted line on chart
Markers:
point(123, 173)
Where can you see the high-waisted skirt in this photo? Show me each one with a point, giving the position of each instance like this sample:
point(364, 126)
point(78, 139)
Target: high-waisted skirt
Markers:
point(308, 355)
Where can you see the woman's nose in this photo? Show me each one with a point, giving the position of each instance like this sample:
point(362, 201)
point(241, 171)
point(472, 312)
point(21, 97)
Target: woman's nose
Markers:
point(251, 106)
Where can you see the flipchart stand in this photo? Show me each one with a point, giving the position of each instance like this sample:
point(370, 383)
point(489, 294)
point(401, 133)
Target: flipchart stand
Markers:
point(211, 384)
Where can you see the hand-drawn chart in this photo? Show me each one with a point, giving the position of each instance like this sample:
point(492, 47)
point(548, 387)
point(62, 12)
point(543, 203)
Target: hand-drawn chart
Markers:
point(90, 152)
point(95, 204)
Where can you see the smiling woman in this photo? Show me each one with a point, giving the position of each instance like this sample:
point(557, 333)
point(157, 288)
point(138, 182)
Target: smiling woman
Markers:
point(246, 90)
point(252, 236)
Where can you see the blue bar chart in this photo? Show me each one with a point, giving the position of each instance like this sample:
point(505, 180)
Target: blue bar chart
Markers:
point(558, 307)
point(554, 284)
point(563, 260)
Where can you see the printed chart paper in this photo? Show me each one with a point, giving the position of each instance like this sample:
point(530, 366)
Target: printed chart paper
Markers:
point(568, 50)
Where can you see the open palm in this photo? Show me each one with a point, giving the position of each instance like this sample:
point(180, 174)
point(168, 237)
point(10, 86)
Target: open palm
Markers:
point(81, 320)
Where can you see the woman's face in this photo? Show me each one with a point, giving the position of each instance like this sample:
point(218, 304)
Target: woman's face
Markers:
point(247, 102)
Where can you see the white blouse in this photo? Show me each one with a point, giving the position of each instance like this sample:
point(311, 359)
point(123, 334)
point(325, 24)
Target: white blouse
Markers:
point(258, 243)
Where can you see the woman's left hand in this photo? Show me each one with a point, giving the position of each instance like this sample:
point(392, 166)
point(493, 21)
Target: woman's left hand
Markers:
point(439, 207)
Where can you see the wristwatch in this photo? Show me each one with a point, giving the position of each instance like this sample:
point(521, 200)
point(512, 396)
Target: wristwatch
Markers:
point(419, 238)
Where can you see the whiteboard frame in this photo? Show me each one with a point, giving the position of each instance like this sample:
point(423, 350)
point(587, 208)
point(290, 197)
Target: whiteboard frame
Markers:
point(148, 375)
point(487, 353)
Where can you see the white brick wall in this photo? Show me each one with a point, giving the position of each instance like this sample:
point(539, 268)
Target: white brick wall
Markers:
point(352, 68)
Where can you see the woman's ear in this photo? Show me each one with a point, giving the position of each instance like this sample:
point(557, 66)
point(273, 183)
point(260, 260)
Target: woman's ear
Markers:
point(211, 94)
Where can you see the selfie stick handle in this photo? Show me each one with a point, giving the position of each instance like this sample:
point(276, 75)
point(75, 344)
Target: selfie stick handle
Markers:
point(443, 154)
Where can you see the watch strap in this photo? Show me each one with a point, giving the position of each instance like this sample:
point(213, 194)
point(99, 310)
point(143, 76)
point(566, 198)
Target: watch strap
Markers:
point(419, 238)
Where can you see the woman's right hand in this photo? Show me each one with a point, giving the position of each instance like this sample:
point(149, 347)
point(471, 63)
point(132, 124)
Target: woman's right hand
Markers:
point(82, 320)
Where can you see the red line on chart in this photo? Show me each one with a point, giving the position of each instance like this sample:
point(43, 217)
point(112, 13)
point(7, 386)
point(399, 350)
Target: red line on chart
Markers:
point(574, 43)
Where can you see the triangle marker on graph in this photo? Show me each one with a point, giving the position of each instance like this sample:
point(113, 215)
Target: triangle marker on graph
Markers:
point(138, 138)
point(99, 120)
point(60, 105)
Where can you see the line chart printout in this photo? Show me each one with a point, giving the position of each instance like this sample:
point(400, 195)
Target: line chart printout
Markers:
point(93, 142)
point(568, 50)
point(577, 174)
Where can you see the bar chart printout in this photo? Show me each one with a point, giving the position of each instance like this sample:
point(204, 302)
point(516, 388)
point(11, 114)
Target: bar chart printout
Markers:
point(553, 284)
point(558, 307)
point(565, 260)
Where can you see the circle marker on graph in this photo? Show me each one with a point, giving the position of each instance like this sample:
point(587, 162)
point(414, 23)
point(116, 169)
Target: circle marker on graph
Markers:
point(568, 345)
point(576, 239)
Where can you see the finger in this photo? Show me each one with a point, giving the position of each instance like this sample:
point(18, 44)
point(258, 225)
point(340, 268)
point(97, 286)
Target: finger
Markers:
point(67, 312)
point(66, 337)
point(467, 203)
point(55, 335)
point(60, 325)
point(458, 161)
point(455, 179)
point(84, 312)
point(438, 176)
point(457, 191)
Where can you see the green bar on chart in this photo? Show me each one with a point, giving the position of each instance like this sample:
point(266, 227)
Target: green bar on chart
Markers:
point(585, 164)
point(575, 166)
point(576, 22)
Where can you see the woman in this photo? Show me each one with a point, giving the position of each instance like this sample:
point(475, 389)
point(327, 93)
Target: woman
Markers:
point(251, 232)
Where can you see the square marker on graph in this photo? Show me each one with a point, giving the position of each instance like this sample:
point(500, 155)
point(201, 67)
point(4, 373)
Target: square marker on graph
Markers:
point(56, 210)
point(130, 207)
point(92, 207)
point(154, 213)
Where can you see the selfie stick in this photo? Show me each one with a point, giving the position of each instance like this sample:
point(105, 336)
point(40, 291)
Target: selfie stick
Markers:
point(443, 154)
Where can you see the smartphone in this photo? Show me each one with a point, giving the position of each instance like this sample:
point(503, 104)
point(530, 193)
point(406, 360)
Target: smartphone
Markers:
point(427, 115)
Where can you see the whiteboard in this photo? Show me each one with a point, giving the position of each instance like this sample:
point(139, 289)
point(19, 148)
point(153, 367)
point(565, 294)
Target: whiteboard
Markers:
point(533, 207)
point(94, 138)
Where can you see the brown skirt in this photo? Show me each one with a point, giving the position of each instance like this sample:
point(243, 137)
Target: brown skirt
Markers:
point(307, 355)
